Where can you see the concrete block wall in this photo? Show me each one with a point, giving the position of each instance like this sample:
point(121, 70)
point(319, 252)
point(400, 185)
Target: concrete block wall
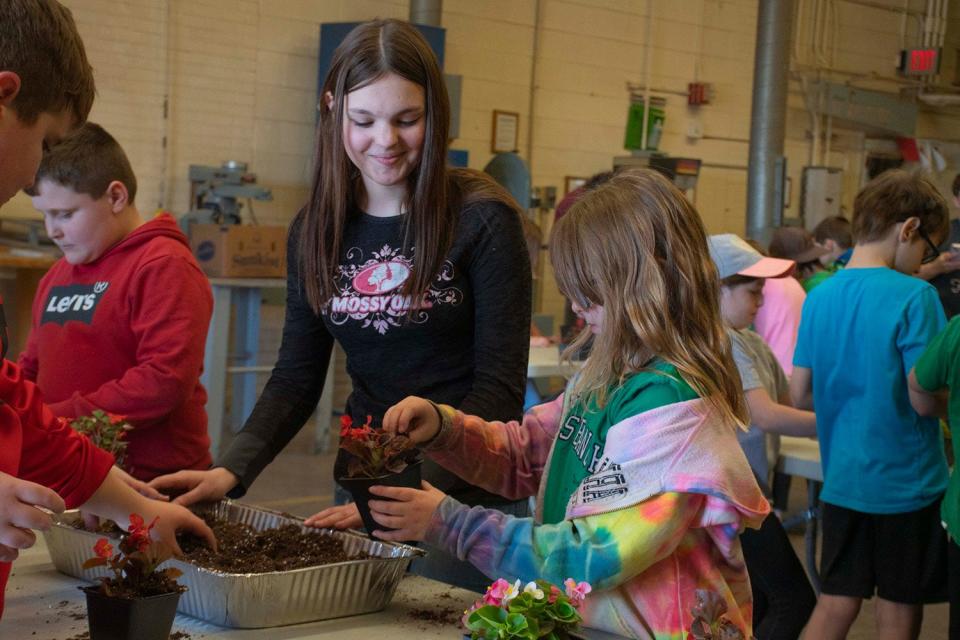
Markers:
point(236, 79)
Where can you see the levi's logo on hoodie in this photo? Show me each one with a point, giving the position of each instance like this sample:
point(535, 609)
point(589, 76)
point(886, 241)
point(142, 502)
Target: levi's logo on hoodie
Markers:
point(73, 302)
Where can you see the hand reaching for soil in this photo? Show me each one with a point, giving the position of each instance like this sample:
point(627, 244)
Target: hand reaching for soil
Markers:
point(142, 487)
point(344, 516)
point(199, 486)
point(175, 518)
point(407, 511)
point(19, 513)
point(419, 419)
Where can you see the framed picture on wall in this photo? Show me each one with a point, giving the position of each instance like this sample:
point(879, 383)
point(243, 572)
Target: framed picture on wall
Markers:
point(572, 182)
point(506, 125)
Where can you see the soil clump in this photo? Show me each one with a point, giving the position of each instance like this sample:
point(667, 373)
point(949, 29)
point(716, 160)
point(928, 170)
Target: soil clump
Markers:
point(242, 549)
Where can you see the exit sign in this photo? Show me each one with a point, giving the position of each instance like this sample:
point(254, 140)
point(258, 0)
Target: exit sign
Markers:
point(919, 62)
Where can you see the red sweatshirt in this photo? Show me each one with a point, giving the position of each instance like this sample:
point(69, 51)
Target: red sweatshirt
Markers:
point(126, 334)
point(36, 447)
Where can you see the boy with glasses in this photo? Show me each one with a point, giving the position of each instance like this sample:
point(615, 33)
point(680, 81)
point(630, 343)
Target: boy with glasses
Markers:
point(883, 465)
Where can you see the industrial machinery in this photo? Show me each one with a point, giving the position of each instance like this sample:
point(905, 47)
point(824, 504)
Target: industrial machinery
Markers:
point(215, 193)
point(683, 172)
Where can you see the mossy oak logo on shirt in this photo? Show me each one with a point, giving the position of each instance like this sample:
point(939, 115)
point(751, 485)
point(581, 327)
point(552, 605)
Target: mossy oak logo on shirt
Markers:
point(73, 302)
point(370, 291)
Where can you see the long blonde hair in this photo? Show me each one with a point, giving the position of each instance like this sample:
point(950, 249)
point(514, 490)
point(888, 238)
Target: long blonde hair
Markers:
point(638, 247)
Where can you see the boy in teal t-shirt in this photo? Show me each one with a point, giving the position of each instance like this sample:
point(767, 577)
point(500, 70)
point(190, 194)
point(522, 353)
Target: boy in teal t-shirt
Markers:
point(883, 465)
point(938, 370)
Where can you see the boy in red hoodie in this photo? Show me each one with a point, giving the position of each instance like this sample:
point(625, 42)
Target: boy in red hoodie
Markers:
point(119, 323)
point(46, 88)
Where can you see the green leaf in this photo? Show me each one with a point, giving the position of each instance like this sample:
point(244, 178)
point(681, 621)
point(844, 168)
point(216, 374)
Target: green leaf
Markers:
point(564, 612)
point(94, 562)
point(487, 618)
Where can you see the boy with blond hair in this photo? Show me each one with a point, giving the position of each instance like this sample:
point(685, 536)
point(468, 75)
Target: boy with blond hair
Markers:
point(884, 468)
point(47, 88)
point(120, 322)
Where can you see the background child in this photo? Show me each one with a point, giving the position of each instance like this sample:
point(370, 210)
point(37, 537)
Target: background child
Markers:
point(938, 370)
point(778, 320)
point(120, 321)
point(942, 272)
point(46, 85)
point(642, 488)
point(835, 235)
point(782, 596)
point(883, 465)
point(796, 243)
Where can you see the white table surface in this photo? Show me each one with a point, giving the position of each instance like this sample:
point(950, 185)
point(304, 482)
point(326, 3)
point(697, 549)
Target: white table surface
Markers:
point(800, 457)
point(545, 362)
point(42, 604)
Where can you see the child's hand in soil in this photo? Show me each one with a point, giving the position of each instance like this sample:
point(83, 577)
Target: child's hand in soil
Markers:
point(344, 516)
point(175, 518)
point(200, 486)
point(19, 513)
point(408, 511)
point(415, 417)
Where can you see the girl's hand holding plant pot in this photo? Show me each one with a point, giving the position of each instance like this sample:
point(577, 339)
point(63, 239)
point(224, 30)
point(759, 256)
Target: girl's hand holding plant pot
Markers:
point(414, 417)
point(407, 511)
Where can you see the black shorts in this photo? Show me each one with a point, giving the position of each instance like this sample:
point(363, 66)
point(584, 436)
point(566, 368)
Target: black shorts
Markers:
point(902, 557)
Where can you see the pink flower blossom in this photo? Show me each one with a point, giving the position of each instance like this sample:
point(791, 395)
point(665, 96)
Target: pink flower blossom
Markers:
point(576, 591)
point(496, 592)
point(553, 595)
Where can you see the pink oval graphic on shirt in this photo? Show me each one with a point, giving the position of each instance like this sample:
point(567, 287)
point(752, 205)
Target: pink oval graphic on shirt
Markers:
point(381, 277)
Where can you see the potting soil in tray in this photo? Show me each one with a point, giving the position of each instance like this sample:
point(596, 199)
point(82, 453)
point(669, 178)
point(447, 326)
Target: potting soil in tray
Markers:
point(243, 549)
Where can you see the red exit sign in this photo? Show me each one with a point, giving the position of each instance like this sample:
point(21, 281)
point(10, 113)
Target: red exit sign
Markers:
point(919, 62)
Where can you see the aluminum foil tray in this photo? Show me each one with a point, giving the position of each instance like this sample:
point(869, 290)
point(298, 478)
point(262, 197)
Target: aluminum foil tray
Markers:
point(255, 600)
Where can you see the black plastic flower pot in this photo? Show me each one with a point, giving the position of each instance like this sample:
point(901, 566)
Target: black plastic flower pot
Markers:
point(359, 488)
point(149, 618)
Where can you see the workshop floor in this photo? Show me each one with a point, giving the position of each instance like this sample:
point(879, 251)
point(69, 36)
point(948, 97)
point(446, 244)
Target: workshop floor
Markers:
point(301, 484)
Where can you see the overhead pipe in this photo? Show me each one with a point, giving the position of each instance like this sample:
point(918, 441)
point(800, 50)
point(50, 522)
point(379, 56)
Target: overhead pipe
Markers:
point(768, 118)
point(531, 99)
point(647, 56)
point(428, 12)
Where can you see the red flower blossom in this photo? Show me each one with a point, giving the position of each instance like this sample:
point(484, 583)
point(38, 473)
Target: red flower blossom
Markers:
point(139, 537)
point(372, 451)
point(103, 548)
point(345, 423)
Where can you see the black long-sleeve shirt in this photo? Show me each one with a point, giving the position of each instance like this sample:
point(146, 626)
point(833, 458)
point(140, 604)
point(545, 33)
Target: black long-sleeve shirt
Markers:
point(466, 345)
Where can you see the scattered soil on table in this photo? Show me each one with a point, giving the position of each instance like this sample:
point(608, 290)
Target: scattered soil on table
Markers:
point(242, 549)
point(442, 616)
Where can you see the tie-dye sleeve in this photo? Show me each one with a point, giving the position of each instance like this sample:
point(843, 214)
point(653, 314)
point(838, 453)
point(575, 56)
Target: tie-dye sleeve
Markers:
point(604, 550)
point(506, 458)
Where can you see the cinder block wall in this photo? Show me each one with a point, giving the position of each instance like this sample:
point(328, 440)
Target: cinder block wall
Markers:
point(203, 81)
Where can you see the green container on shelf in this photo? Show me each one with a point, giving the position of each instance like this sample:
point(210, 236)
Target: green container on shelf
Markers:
point(634, 137)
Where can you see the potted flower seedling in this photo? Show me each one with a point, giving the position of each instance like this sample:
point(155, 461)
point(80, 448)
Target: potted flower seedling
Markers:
point(139, 601)
point(376, 458)
point(709, 621)
point(538, 610)
point(107, 431)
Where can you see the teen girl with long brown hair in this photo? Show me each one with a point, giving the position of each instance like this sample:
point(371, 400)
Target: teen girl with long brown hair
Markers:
point(420, 272)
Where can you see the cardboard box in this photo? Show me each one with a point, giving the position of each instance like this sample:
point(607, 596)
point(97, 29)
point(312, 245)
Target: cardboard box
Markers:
point(240, 251)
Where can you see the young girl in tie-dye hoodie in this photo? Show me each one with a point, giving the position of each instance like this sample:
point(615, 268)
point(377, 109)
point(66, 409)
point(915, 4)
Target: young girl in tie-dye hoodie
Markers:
point(641, 486)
